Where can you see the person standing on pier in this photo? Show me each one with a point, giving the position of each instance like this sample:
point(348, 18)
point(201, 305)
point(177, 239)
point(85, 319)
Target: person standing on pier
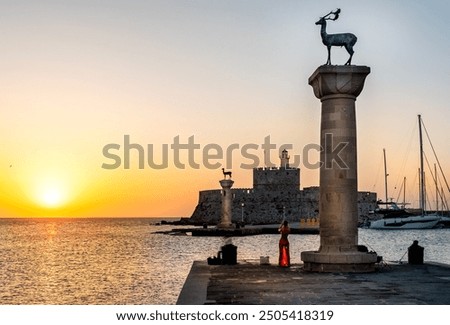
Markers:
point(284, 258)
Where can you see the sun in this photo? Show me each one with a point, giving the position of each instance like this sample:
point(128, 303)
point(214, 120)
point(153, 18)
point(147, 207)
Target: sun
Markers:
point(52, 197)
point(51, 194)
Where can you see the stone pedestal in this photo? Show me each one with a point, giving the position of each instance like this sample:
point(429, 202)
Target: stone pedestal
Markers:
point(227, 201)
point(337, 87)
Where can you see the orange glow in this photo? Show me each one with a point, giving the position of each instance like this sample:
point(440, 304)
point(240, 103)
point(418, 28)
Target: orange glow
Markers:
point(75, 79)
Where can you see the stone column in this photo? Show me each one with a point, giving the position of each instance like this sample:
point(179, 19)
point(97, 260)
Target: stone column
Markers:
point(227, 201)
point(337, 87)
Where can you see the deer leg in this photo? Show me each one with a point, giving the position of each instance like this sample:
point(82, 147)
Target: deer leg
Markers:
point(329, 55)
point(350, 51)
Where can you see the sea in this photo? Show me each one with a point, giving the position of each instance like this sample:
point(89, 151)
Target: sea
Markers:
point(129, 261)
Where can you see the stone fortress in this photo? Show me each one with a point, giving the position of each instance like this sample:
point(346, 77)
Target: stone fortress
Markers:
point(276, 195)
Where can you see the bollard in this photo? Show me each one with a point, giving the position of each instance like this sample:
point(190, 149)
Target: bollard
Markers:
point(415, 253)
point(229, 254)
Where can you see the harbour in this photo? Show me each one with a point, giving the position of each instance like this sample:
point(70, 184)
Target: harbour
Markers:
point(122, 261)
point(178, 160)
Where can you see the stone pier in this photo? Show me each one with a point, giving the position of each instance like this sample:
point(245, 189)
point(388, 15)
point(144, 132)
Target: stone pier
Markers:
point(227, 202)
point(337, 87)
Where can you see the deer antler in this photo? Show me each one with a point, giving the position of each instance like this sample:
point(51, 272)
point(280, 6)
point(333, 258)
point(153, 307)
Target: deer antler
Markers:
point(324, 17)
point(335, 13)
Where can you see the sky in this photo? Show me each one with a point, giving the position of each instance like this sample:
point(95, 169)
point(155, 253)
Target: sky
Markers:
point(77, 77)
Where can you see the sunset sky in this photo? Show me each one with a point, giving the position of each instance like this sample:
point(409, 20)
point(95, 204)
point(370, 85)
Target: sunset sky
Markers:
point(76, 76)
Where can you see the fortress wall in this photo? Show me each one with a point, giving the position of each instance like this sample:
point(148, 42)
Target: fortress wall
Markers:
point(367, 202)
point(259, 206)
point(267, 206)
point(275, 195)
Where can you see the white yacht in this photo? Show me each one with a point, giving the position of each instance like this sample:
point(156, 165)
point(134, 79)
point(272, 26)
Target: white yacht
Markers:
point(396, 218)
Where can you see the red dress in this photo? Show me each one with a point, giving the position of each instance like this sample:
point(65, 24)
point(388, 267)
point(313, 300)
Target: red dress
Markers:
point(284, 258)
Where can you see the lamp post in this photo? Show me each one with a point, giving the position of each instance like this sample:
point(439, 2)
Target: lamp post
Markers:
point(242, 212)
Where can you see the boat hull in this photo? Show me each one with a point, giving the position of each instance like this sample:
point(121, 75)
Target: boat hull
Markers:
point(444, 222)
point(414, 222)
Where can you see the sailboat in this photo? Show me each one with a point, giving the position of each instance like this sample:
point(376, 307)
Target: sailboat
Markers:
point(445, 219)
point(396, 218)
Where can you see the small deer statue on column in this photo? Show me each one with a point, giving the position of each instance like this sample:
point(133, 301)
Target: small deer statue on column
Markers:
point(225, 174)
point(329, 40)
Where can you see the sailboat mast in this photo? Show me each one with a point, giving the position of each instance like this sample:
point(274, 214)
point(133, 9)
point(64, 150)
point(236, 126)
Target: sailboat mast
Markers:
point(437, 188)
point(385, 176)
point(404, 192)
point(422, 184)
point(424, 192)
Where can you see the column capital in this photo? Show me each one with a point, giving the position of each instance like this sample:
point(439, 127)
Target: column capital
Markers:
point(226, 183)
point(331, 81)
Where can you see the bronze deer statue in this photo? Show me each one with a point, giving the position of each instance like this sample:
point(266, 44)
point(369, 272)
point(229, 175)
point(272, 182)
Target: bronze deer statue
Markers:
point(329, 40)
point(226, 173)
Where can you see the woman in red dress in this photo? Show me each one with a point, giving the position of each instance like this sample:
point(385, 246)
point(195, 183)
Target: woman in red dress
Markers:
point(284, 258)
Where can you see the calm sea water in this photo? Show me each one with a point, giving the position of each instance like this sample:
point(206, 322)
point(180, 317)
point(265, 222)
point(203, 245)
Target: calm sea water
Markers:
point(123, 261)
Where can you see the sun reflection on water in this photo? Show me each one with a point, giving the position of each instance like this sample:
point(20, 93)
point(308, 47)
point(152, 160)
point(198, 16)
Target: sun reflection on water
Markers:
point(122, 261)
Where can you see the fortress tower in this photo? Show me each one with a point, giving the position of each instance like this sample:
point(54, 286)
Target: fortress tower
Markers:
point(277, 179)
point(284, 159)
